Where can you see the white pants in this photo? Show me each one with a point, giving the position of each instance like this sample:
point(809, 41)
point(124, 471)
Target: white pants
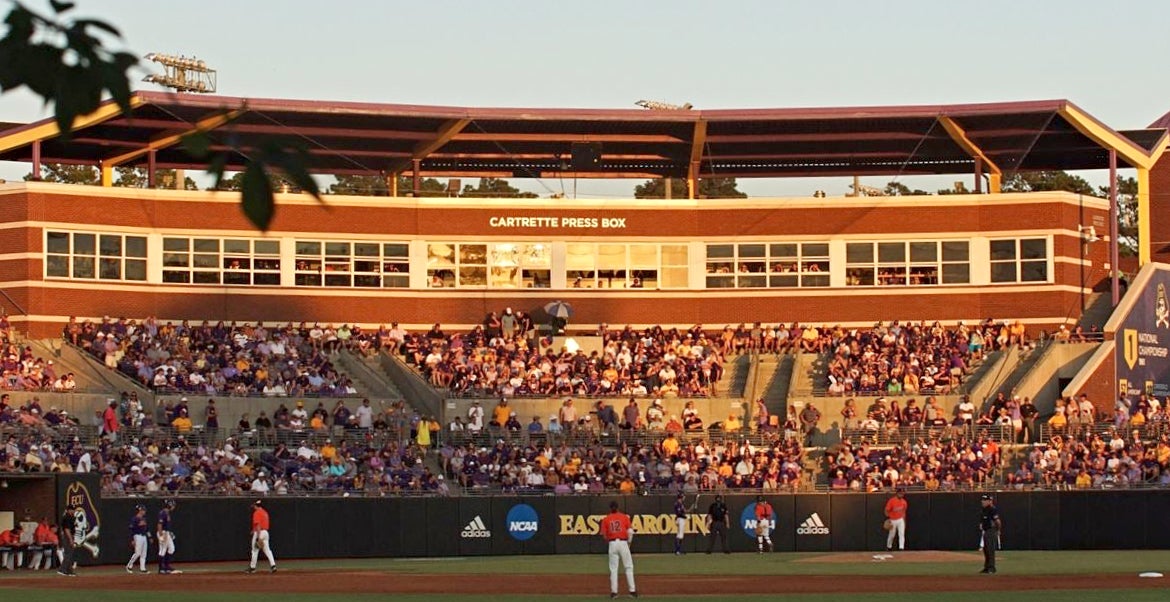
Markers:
point(166, 543)
point(897, 527)
point(47, 557)
point(681, 523)
point(260, 542)
point(619, 550)
point(139, 553)
point(763, 532)
point(18, 554)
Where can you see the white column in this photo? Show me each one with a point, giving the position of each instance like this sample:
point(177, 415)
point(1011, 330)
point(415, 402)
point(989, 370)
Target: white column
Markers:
point(288, 262)
point(837, 259)
point(154, 258)
point(980, 253)
point(558, 254)
point(418, 264)
point(697, 265)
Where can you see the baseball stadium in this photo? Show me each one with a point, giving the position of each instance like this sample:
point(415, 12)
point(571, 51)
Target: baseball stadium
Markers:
point(403, 389)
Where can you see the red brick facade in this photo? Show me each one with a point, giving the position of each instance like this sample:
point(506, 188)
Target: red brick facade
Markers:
point(26, 213)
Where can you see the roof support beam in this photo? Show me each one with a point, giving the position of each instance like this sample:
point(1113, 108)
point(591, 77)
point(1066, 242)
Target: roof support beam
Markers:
point(698, 143)
point(168, 140)
point(448, 132)
point(1126, 150)
point(1143, 211)
point(527, 137)
point(47, 128)
point(959, 135)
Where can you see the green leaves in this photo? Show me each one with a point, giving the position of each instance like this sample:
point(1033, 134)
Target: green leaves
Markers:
point(67, 64)
point(258, 202)
point(64, 62)
point(275, 160)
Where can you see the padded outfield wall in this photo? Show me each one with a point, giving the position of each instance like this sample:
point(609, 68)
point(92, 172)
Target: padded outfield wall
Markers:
point(217, 529)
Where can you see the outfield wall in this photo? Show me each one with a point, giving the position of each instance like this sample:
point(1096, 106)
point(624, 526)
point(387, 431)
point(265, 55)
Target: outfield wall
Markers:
point(218, 528)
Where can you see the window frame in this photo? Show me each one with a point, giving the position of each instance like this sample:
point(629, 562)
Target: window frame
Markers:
point(100, 258)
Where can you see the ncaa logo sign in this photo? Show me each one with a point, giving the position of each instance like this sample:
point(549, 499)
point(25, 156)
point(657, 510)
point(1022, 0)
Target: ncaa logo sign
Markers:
point(522, 522)
point(747, 520)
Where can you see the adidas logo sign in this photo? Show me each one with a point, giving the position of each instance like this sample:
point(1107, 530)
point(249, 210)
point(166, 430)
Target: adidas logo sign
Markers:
point(813, 525)
point(475, 529)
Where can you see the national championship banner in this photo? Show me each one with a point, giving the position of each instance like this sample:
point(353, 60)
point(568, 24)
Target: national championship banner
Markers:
point(1143, 341)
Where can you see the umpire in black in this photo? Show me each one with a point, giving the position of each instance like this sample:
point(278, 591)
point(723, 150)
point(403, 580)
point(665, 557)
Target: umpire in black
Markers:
point(989, 525)
point(718, 520)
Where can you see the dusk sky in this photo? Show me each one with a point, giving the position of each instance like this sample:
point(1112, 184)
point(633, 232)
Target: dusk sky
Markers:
point(1104, 56)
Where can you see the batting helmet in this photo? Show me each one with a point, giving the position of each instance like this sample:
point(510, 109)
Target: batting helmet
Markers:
point(759, 498)
point(613, 506)
point(139, 508)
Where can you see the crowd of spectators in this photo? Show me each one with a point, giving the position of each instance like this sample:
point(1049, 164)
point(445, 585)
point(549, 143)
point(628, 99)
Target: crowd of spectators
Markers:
point(223, 359)
point(502, 358)
point(934, 464)
point(1090, 459)
point(898, 358)
point(255, 457)
point(23, 370)
point(667, 463)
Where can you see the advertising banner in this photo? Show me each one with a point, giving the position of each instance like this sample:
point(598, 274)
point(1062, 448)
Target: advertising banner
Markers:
point(1143, 341)
point(813, 520)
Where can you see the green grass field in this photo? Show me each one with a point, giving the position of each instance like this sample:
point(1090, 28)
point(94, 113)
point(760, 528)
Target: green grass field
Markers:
point(594, 566)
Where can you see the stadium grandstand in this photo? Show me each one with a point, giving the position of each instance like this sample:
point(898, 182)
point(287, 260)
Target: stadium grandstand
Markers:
point(417, 345)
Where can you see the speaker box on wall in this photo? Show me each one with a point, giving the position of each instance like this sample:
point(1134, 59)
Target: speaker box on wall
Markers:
point(586, 156)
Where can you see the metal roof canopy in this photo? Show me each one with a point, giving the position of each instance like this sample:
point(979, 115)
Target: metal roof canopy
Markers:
point(364, 138)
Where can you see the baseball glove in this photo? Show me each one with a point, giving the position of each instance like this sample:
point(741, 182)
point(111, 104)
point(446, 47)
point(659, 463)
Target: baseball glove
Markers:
point(887, 525)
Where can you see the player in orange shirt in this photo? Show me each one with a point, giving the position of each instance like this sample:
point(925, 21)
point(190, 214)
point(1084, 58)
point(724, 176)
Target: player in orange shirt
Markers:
point(764, 524)
point(14, 549)
point(260, 537)
point(896, 515)
point(45, 536)
point(616, 530)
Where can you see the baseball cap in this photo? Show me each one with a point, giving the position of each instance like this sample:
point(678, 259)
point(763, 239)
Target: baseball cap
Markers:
point(986, 496)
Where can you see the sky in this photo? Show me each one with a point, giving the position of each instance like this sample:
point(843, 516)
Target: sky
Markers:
point(1104, 56)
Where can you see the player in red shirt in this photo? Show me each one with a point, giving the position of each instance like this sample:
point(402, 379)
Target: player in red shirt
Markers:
point(896, 515)
point(14, 549)
point(616, 530)
point(260, 537)
point(764, 524)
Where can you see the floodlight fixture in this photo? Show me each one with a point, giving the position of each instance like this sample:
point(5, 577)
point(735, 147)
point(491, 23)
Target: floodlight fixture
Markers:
point(182, 73)
point(655, 105)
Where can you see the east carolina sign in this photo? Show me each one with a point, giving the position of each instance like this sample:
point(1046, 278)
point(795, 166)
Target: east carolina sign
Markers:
point(643, 524)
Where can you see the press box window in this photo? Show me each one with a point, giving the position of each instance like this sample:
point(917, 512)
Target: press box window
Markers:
point(91, 256)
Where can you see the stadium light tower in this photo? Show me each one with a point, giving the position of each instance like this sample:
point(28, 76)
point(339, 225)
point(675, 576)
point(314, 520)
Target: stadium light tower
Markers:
point(182, 74)
point(655, 105)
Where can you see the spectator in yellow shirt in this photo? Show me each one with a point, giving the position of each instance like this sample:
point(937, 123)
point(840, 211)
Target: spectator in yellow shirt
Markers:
point(182, 423)
point(670, 445)
point(328, 451)
point(732, 425)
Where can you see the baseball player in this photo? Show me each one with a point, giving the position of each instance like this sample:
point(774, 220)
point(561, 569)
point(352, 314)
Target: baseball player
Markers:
point(616, 530)
point(138, 531)
point(166, 540)
point(896, 515)
point(764, 518)
point(680, 520)
point(260, 537)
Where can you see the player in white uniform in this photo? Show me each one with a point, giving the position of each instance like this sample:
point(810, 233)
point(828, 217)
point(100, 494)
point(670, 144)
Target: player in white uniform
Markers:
point(138, 531)
point(617, 530)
